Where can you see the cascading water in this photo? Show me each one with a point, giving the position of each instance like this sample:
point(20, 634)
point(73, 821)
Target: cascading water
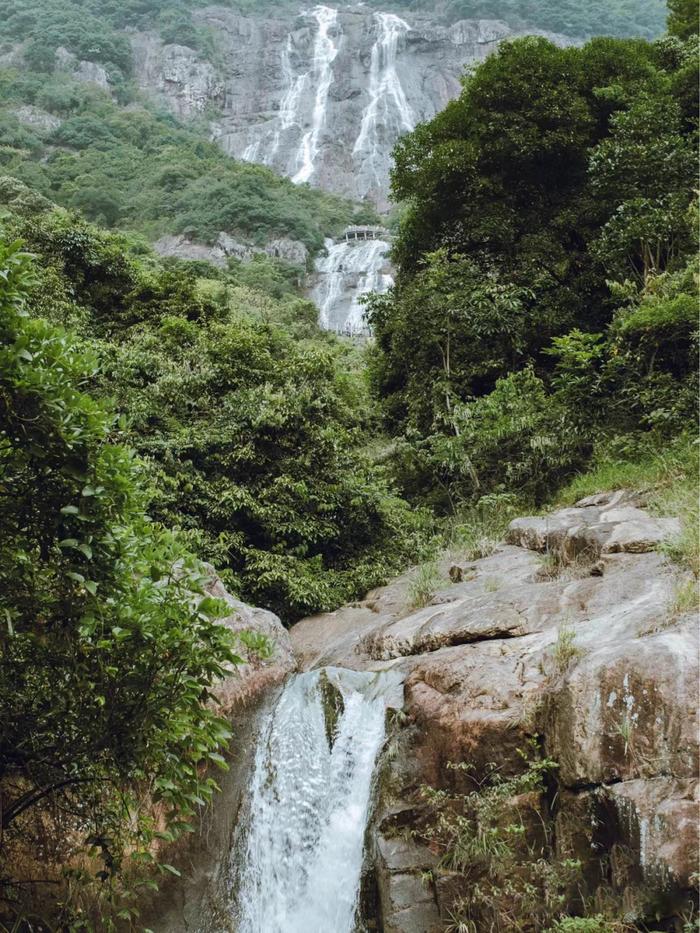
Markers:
point(346, 273)
point(325, 51)
point(289, 107)
point(300, 862)
point(293, 115)
point(388, 113)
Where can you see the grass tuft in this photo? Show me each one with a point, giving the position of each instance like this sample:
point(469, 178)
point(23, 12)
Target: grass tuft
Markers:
point(424, 585)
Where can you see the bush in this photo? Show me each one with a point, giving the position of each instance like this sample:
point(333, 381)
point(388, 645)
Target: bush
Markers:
point(108, 648)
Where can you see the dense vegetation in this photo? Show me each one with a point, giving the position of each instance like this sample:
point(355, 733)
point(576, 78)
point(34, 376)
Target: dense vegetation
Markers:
point(155, 413)
point(250, 425)
point(645, 18)
point(93, 30)
point(125, 164)
point(107, 651)
point(251, 419)
point(546, 303)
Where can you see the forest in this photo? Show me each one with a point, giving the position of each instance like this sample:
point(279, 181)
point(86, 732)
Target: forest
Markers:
point(157, 416)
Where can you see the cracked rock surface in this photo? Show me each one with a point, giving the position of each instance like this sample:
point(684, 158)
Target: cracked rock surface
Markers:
point(591, 658)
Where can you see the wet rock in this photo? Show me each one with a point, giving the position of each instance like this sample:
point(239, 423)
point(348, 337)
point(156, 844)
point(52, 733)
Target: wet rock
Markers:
point(260, 673)
point(635, 839)
point(244, 697)
point(594, 663)
point(405, 891)
point(628, 710)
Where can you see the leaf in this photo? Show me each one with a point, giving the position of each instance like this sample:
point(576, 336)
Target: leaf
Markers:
point(209, 606)
point(219, 759)
point(70, 510)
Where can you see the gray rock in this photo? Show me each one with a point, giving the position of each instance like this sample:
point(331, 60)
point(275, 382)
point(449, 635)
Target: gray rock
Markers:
point(39, 120)
point(265, 106)
point(593, 663)
point(176, 75)
point(597, 525)
point(87, 72)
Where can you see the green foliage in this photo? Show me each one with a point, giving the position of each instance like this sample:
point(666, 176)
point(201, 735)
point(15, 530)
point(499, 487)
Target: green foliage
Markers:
point(547, 289)
point(597, 924)
point(139, 169)
point(108, 647)
point(251, 420)
point(506, 875)
point(565, 650)
point(476, 530)
point(683, 18)
point(424, 584)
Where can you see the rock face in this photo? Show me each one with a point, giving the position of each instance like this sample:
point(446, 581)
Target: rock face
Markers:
point(590, 658)
point(87, 72)
point(226, 247)
point(321, 96)
point(176, 74)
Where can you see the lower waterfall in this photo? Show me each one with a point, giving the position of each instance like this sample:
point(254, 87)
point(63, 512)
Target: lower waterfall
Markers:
point(299, 864)
point(348, 271)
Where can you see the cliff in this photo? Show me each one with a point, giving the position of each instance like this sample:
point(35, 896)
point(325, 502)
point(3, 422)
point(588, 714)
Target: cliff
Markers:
point(322, 96)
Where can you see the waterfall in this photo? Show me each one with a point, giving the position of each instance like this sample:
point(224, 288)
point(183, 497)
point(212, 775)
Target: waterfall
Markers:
point(293, 113)
point(300, 863)
point(346, 273)
point(289, 106)
point(325, 51)
point(388, 111)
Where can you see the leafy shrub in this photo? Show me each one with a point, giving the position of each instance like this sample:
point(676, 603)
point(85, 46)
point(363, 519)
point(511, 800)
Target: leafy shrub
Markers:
point(503, 874)
point(108, 647)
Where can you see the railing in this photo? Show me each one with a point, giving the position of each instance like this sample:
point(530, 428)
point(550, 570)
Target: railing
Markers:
point(354, 233)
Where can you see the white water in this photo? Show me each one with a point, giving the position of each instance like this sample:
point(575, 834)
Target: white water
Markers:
point(289, 114)
point(346, 273)
point(388, 111)
point(310, 802)
point(325, 51)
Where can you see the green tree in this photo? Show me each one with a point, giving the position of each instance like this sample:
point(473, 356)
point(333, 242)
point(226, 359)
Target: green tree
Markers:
point(683, 18)
point(108, 647)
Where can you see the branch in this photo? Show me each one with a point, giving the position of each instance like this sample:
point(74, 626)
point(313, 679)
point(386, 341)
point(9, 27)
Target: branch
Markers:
point(34, 796)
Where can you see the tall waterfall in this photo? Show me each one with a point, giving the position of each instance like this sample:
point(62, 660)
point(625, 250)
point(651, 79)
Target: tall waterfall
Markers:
point(346, 273)
point(325, 51)
point(291, 141)
point(301, 862)
point(387, 114)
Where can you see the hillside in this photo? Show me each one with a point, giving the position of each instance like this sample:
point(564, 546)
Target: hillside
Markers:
point(307, 634)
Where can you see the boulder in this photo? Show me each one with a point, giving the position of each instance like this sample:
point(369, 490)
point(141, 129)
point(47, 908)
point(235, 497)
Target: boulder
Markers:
point(628, 710)
point(605, 524)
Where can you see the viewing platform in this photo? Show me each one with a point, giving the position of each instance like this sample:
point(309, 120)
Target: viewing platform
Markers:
point(351, 234)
